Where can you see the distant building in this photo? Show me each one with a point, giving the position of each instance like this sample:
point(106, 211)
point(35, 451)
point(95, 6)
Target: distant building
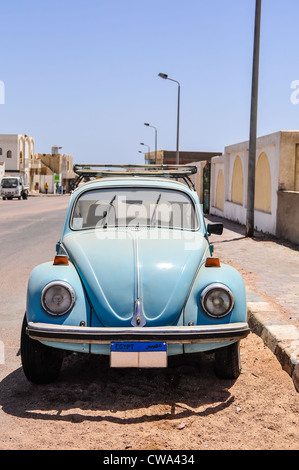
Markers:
point(168, 157)
point(56, 170)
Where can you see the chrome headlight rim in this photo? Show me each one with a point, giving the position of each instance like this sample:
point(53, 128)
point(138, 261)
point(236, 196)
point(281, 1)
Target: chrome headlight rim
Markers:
point(70, 290)
point(208, 290)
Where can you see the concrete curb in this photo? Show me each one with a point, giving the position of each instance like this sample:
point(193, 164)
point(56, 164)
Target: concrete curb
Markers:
point(280, 337)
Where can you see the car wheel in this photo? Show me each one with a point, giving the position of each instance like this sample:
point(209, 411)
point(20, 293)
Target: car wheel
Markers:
point(228, 362)
point(41, 364)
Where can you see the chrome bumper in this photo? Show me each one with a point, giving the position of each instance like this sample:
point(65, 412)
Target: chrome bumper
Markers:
point(171, 334)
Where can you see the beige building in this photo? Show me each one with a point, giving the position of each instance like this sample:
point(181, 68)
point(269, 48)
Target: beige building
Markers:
point(56, 170)
point(276, 184)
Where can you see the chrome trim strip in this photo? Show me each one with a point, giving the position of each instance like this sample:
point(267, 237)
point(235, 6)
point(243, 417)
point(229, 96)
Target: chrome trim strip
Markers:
point(171, 334)
point(138, 317)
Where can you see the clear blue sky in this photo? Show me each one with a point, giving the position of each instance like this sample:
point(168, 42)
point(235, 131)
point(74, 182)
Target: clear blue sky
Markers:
point(83, 74)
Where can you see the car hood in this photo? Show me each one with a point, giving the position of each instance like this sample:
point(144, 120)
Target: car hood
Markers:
point(148, 270)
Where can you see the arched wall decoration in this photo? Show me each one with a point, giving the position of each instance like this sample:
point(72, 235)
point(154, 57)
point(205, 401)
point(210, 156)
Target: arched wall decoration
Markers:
point(237, 182)
point(220, 191)
point(262, 196)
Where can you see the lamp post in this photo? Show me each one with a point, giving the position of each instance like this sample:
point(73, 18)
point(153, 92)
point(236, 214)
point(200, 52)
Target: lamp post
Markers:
point(165, 77)
point(148, 125)
point(253, 123)
point(149, 151)
point(139, 151)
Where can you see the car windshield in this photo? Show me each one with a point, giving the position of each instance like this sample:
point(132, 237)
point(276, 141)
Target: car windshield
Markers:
point(134, 207)
point(9, 183)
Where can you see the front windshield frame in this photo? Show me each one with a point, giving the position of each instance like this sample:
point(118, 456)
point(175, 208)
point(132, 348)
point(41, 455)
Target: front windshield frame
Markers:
point(120, 190)
point(9, 183)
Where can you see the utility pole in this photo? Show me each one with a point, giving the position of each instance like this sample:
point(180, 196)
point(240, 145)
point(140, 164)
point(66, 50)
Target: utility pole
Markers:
point(253, 123)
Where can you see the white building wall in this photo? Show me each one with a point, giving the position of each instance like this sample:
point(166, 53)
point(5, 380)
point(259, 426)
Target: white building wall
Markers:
point(2, 170)
point(10, 142)
point(264, 221)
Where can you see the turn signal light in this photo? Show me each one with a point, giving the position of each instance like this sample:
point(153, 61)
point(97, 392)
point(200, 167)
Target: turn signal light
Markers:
point(61, 260)
point(212, 263)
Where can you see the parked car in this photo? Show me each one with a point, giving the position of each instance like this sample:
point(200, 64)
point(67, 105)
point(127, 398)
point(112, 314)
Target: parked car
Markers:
point(134, 278)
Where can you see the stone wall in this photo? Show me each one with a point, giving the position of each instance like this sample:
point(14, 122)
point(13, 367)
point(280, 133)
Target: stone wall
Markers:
point(288, 216)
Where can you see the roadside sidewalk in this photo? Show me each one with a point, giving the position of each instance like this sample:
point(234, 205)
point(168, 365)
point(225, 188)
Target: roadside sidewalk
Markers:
point(270, 269)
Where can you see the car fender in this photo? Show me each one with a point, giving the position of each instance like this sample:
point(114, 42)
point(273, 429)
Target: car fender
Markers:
point(231, 278)
point(43, 275)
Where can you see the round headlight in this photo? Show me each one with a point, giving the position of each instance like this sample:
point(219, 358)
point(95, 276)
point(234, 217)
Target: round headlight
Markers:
point(58, 298)
point(217, 300)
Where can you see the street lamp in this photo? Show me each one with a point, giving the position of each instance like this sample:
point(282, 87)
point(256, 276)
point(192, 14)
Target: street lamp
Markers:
point(165, 77)
point(253, 123)
point(147, 124)
point(149, 151)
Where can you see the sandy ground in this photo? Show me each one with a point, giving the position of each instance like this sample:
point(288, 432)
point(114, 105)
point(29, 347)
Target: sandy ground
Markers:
point(183, 407)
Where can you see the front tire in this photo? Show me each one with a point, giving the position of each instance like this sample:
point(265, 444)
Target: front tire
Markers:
point(228, 361)
point(41, 364)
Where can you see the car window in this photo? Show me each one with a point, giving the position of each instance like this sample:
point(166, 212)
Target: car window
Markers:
point(134, 207)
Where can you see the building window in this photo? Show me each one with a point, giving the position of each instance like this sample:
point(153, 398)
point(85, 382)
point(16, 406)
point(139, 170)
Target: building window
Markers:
point(9, 155)
point(0, 151)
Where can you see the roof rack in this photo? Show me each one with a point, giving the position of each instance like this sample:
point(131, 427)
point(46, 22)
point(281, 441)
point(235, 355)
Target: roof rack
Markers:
point(167, 171)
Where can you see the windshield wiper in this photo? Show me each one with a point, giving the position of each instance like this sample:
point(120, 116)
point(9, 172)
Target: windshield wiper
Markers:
point(155, 209)
point(108, 210)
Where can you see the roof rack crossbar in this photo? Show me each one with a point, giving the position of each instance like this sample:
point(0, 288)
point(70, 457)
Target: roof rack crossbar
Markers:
point(175, 171)
point(167, 171)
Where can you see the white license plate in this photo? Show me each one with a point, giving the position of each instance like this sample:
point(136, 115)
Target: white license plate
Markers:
point(138, 354)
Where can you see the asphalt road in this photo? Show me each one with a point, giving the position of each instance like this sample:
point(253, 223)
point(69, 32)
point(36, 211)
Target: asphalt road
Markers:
point(94, 407)
point(29, 231)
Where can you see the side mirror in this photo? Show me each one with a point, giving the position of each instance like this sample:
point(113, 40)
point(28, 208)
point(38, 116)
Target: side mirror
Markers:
point(217, 229)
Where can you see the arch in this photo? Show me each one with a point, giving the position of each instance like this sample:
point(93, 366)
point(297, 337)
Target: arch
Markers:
point(220, 191)
point(26, 148)
point(9, 154)
point(237, 182)
point(262, 195)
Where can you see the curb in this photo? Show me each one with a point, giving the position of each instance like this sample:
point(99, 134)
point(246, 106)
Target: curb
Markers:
point(280, 337)
point(47, 195)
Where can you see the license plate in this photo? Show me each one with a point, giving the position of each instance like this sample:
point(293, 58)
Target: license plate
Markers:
point(138, 354)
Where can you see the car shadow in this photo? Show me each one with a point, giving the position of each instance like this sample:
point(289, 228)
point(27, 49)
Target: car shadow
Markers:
point(234, 231)
point(89, 390)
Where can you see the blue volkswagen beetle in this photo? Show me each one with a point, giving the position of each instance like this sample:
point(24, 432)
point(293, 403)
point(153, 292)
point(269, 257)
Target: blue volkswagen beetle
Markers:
point(134, 278)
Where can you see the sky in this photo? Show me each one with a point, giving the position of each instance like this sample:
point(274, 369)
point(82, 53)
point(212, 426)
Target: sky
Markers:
point(83, 74)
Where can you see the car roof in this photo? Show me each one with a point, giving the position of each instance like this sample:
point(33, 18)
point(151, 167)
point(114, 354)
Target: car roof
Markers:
point(158, 182)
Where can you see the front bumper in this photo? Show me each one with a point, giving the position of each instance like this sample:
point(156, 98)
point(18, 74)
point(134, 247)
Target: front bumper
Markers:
point(171, 334)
